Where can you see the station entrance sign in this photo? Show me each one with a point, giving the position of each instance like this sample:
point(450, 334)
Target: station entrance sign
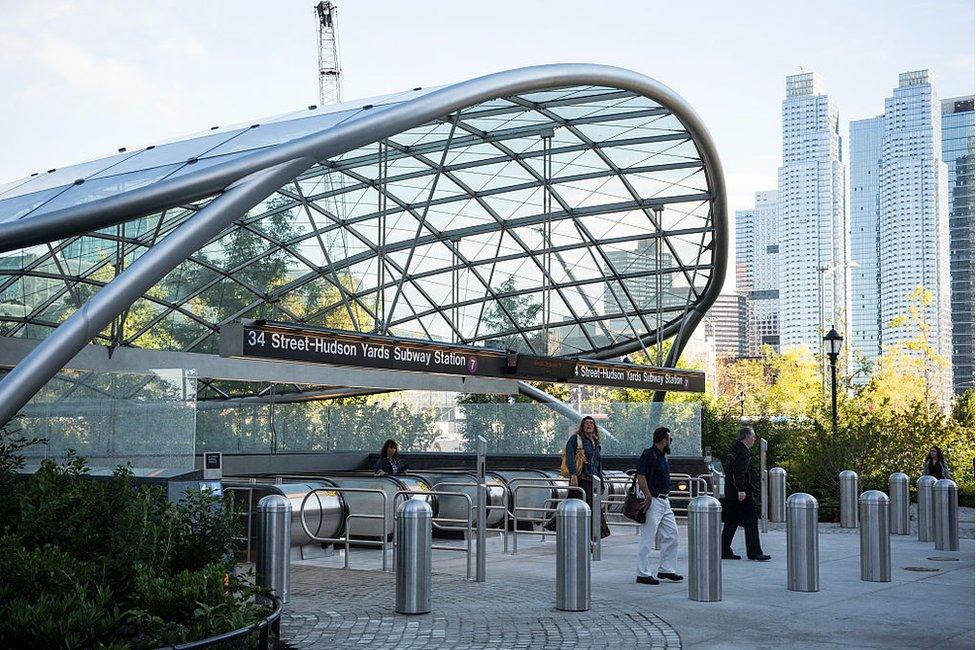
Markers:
point(303, 344)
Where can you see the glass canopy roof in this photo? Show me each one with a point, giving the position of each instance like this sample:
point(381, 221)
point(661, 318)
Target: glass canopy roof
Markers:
point(575, 221)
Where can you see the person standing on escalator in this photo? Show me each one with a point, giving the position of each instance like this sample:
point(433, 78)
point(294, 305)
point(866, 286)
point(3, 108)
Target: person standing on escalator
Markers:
point(589, 436)
point(389, 460)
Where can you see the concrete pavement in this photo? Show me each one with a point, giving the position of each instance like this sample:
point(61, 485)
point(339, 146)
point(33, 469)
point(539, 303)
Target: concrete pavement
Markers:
point(929, 603)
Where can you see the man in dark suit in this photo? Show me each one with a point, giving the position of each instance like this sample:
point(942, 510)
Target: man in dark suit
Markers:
point(739, 506)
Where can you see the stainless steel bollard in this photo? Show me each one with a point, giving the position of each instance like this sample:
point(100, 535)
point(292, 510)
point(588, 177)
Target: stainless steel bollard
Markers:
point(848, 499)
point(802, 543)
point(274, 544)
point(898, 494)
point(573, 556)
point(926, 525)
point(413, 538)
point(704, 549)
point(777, 495)
point(945, 511)
point(875, 542)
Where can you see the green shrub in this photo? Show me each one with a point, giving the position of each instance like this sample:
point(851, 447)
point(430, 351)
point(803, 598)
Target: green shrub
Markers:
point(874, 442)
point(86, 562)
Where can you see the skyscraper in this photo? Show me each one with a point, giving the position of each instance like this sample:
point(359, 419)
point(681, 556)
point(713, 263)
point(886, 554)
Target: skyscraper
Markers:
point(865, 147)
point(757, 269)
point(957, 152)
point(913, 223)
point(726, 324)
point(645, 292)
point(813, 245)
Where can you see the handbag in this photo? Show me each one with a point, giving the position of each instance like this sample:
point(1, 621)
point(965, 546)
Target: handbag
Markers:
point(580, 460)
point(634, 505)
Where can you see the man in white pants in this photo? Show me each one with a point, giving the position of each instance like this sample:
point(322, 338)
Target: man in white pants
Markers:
point(654, 479)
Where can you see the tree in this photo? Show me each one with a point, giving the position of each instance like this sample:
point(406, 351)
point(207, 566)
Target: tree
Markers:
point(510, 313)
point(964, 410)
point(911, 371)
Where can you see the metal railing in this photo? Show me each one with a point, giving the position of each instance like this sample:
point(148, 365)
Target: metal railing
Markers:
point(538, 484)
point(247, 514)
point(503, 507)
point(468, 522)
point(270, 623)
point(382, 543)
point(610, 499)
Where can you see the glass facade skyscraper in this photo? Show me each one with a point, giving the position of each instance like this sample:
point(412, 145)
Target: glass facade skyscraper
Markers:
point(865, 157)
point(913, 226)
point(757, 269)
point(813, 223)
point(957, 152)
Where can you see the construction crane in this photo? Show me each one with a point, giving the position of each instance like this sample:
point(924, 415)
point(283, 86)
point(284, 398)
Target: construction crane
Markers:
point(330, 82)
point(330, 92)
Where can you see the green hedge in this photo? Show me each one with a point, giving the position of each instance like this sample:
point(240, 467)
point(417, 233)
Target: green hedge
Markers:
point(105, 563)
point(874, 443)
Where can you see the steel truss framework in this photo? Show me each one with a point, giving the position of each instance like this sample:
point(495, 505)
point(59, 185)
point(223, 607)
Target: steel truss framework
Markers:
point(569, 210)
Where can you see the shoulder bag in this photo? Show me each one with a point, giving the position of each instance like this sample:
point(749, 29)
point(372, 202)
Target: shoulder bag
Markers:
point(634, 505)
point(580, 459)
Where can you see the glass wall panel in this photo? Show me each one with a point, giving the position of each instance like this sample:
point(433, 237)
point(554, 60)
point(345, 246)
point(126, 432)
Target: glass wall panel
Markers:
point(111, 419)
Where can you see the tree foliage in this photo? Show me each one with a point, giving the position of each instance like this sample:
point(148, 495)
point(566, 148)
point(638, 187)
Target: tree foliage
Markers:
point(104, 563)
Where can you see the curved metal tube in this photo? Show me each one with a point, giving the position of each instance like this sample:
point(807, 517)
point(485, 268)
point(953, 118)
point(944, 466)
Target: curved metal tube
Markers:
point(260, 171)
point(363, 130)
point(55, 351)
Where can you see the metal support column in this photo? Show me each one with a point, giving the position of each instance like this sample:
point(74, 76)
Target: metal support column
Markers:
point(482, 510)
point(764, 486)
point(596, 519)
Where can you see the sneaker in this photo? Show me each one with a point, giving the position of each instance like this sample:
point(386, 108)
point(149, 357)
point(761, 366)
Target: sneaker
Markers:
point(761, 558)
point(673, 577)
point(648, 580)
point(731, 556)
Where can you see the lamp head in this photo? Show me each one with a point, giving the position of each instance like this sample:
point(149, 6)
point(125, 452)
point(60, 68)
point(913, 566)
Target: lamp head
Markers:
point(834, 342)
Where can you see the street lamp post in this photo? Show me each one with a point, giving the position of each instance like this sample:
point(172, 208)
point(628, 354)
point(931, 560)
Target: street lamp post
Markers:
point(742, 405)
point(834, 342)
point(823, 272)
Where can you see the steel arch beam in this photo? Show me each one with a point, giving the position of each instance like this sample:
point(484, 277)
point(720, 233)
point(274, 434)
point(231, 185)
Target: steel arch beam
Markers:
point(44, 362)
point(364, 128)
point(368, 127)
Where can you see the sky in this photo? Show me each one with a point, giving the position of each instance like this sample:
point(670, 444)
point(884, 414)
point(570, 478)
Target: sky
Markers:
point(82, 79)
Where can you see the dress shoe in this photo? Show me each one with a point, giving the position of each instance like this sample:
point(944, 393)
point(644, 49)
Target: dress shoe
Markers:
point(761, 558)
point(731, 556)
point(673, 577)
point(648, 580)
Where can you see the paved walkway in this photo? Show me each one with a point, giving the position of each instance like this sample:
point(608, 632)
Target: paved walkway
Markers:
point(336, 608)
point(928, 604)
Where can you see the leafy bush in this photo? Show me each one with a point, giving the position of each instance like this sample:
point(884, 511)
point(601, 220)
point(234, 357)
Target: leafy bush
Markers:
point(105, 563)
point(874, 442)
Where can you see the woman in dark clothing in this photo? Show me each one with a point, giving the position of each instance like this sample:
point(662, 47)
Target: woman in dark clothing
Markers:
point(935, 464)
point(389, 460)
point(589, 434)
